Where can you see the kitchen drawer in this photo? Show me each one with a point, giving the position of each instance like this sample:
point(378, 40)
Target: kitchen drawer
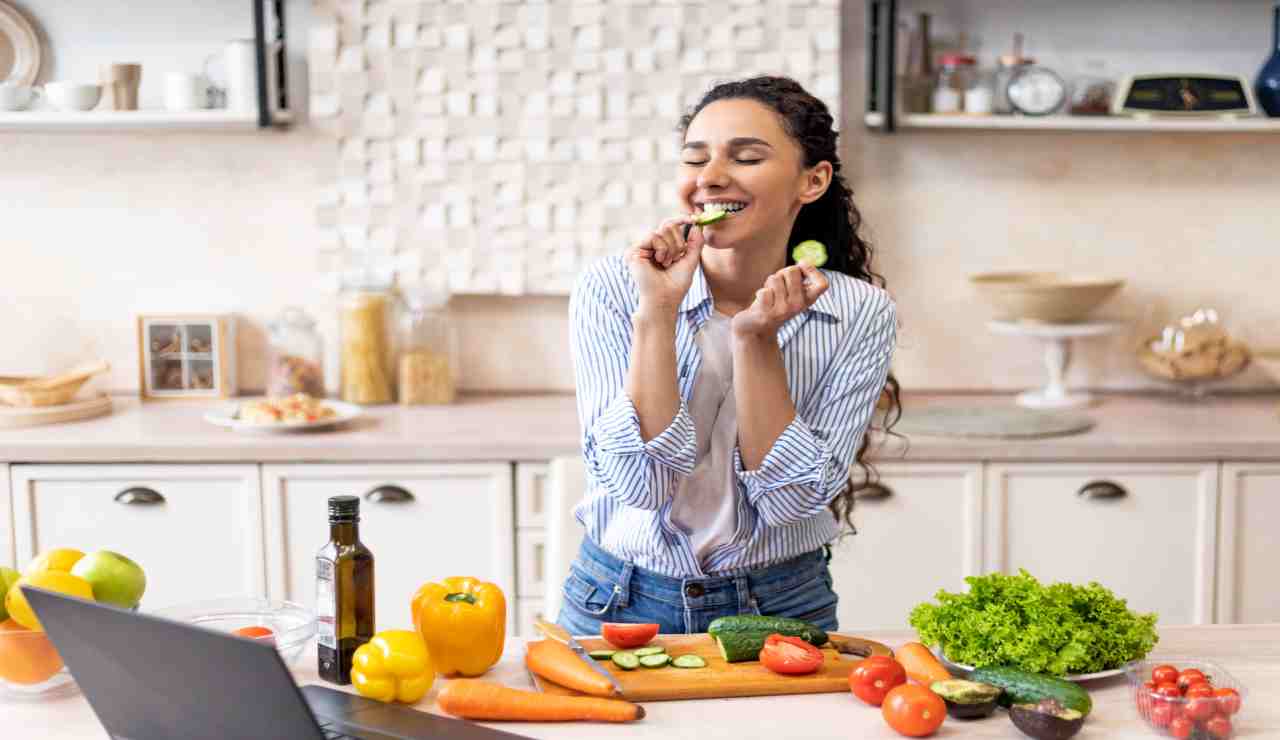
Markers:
point(923, 532)
point(200, 538)
point(531, 562)
point(422, 523)
point(1145, 531)
point(531, 495)
point(1248, 549)
point(528, 612)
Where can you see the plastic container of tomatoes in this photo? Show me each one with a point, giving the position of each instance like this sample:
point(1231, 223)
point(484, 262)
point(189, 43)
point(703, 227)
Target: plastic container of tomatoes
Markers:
point(1186, 697)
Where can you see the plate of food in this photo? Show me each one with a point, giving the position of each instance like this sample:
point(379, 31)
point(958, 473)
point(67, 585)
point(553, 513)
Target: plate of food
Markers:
point(1076, 677)
point(288, 414)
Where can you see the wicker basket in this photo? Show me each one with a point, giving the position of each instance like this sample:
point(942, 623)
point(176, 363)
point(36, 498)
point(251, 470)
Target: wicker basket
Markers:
point(50, 390)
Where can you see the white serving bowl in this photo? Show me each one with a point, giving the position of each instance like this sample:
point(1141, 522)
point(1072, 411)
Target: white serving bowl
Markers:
point(73, 96)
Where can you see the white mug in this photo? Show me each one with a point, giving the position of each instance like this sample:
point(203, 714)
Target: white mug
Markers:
point(242, 75)
point(73, 95)
point(184, 91)
point(17, 97)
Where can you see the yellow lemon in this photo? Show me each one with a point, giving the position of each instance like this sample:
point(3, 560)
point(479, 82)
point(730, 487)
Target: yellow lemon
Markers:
point(61, 558)
point(51, 580)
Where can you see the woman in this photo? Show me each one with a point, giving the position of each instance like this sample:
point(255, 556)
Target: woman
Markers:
point(723, 389)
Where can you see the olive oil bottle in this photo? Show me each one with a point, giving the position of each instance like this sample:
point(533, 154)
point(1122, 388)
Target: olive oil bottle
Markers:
point(344, 591)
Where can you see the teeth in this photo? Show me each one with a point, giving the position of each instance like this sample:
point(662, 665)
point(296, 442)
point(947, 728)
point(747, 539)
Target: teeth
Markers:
point(730, 206)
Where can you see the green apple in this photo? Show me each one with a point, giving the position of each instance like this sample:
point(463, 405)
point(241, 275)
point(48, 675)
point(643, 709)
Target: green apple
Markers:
point(116, 579)
point(7, 578)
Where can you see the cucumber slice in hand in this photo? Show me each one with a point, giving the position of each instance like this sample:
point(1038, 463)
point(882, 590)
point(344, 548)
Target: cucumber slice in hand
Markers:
point(709, 217)
point(812, 251)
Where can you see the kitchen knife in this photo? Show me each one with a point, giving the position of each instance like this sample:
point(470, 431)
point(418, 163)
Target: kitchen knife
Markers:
point(560, 634)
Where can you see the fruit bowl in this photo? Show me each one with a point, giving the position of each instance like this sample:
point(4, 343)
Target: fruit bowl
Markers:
point(292, 625)
point(30, 667)
point(1043, 296)
point(1187, 715)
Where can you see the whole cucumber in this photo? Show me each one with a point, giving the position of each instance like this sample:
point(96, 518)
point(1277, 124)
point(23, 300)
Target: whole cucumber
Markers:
point(752, 624)
point(1022, 687)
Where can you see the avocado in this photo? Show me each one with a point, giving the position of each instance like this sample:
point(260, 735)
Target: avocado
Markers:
point(967, 699)
point(1046, 720)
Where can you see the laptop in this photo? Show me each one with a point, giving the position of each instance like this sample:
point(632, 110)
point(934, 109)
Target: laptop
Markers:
point(149, 678)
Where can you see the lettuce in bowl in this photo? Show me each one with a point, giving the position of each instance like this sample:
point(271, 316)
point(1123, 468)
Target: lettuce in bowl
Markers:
point(1055, 630)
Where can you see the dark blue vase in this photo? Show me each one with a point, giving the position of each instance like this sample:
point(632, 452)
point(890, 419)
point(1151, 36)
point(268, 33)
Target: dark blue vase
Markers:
point(1267, 88)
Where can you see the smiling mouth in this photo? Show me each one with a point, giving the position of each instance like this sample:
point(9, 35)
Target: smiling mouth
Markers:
point(730, 207)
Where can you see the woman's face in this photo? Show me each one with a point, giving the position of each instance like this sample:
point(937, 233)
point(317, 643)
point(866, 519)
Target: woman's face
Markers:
point(738, 157)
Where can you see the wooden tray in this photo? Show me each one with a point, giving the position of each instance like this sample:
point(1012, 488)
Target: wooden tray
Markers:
point(30, 416)
point(720, 679)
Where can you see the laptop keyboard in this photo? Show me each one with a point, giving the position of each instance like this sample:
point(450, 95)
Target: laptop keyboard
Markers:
point(331, 734)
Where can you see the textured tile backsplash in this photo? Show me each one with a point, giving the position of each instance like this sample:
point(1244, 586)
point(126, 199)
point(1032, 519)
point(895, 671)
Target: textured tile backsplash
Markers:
point(497, 147)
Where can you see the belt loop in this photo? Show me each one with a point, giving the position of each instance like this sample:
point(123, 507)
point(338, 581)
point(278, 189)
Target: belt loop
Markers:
point(743, 587)
point(624, 584)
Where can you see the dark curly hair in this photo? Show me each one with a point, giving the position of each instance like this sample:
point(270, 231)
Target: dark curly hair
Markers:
point(832, 219)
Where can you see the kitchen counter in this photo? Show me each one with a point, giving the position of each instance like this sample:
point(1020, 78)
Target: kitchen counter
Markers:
point(1250, 652)
point(539, 427)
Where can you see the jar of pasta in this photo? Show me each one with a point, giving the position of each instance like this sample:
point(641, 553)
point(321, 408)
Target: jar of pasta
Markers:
point(366, 326)
point(427, 365)
point(295, 356)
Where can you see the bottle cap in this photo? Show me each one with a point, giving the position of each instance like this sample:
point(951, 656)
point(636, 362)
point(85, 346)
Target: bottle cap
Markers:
point(344, 509)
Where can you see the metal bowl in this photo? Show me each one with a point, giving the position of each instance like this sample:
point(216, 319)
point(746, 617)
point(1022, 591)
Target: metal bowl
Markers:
point(292, 625)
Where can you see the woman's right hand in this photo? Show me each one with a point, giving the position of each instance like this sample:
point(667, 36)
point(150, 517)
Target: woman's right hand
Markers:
point(663, 263)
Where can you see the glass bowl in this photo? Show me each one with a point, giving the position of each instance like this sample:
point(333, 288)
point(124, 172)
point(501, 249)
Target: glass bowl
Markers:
point(292, 625)
point(30, 667)
point(1161, 712)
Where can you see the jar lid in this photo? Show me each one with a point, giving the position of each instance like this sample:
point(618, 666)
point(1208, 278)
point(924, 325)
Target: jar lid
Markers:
point(294, 316)
point(1015, 60)
point(956, 60)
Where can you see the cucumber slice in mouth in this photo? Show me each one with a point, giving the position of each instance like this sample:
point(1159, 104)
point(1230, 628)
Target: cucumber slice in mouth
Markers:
point(709, 217)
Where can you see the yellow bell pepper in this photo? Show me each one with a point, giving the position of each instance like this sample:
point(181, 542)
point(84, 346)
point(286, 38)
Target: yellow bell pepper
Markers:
point(394, 666)
point(464, 623)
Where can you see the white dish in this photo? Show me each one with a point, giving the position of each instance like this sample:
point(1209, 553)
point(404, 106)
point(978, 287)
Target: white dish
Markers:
point(229, 417)
point(1076, 677)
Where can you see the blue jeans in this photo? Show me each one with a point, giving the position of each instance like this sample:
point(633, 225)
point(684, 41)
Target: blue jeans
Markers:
point(602, 588)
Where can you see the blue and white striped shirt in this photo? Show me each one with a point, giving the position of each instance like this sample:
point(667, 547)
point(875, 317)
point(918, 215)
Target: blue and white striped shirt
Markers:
point(836, 356)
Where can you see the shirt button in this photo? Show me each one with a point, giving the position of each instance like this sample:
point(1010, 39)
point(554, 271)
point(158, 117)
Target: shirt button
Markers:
point(694, 590)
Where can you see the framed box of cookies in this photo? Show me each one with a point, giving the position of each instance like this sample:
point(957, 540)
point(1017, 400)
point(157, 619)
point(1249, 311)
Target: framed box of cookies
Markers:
point(187, 356)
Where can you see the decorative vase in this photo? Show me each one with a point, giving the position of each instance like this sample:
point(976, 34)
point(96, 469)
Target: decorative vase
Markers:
point(1267, 86)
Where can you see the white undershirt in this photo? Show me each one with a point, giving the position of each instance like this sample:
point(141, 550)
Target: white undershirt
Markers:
point(705, 503)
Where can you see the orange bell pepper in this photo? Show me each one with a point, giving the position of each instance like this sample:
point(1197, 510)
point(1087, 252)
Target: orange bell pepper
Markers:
point(464, 623)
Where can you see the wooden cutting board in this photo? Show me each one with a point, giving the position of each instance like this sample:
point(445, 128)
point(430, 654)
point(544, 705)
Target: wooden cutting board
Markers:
point(30, 416)
point(720, 679)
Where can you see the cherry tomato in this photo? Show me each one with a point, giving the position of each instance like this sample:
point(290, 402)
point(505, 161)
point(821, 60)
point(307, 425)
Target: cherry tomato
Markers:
point(1181, 727)
point(1198, 689)
point(1169, 691)
point(1162, 673)
point(627, 635)
point(1201, 709)
point(1161, 714)
point(873, 678)
point(1189, 676)
point(913, 710)
point(790, 655)
point(1228, 700)
point(1219, 727)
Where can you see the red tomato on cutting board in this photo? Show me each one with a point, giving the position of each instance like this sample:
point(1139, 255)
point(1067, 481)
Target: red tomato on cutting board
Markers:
point(626, 636)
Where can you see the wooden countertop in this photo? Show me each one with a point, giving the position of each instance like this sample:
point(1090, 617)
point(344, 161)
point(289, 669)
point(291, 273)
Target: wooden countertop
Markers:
point(1250, 652)
point(538, 427)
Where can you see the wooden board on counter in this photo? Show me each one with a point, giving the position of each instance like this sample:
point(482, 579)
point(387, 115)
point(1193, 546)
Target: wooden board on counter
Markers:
point(719, 679)
point(29, 416)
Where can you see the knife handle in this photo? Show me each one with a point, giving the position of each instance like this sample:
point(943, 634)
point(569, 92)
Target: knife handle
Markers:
point(553, 631)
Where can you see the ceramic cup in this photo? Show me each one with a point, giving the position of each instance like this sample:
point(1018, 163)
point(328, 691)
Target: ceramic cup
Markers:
point(184, 91)
point(17, 97)
point(73, 95)
point(121, 81)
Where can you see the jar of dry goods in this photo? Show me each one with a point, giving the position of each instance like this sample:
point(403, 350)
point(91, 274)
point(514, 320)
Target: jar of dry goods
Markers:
point(428, 349)
point(366, 324)
point(295, 355)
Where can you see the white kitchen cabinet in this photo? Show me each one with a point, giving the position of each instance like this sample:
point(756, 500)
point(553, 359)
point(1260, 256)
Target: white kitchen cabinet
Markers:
point(529, 611)
point(531, 562)
point(1248, 549)
point(6, 518)
point(919, 531)
point(531, 495)
point(195, 529)
point(422, 523)
point(1145, 531)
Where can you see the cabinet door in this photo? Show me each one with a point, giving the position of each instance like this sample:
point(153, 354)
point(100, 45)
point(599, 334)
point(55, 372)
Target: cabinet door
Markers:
point(1249, 550)
point(919, 532)
point(1145, 531)
point(531, 495)
point(196, 530)
point(422, 523)
point(6, 519)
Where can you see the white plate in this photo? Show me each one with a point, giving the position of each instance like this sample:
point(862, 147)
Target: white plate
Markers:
point(1077, 677)
point(227, 417)
point(21, 44)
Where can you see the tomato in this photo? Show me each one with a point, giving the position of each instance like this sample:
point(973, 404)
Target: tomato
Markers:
point(1228, 700)
point(262, 634)
point(1161, 714)
point(1219, 727)
point(913, 710)
point(790, 656)
point(1181, 727)
point(627, 635)
point(874, 677)
point(1201, 709)
point(1189, 676)
point(1163, 673)
point(1198, 689)
point(1168, 691)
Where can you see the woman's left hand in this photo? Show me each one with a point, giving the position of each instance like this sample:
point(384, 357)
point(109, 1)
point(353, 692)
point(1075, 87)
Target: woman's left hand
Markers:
point(785, 294)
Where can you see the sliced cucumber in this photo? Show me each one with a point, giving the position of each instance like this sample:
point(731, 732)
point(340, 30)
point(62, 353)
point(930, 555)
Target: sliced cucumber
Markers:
point(602, 654)
point(812, 251)
point(709, 217)
point(655, 660)
point(649, 650)
point(627, 661)
point(688, 661)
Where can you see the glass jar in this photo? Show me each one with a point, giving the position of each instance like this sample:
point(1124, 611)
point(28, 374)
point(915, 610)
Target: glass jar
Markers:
point(979, 97)
point(1007, 67)
point(295, 355)
point(366, 324)
point(427, 366)
point(954, 79)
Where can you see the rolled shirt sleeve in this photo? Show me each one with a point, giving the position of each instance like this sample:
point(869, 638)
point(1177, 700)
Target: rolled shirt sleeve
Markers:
point(808, 464)
point(637, 473)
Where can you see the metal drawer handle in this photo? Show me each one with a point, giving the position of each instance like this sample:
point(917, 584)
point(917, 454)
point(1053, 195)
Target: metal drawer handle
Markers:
point(1103, 489)
point(873, 492)
point(139, 496)
point(388, 495)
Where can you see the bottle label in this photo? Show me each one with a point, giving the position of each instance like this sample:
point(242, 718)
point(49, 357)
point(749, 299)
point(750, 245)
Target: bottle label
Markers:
point(326, 605)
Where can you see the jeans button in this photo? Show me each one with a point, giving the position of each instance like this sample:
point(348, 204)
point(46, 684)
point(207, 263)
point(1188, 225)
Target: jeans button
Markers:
point(694, 590)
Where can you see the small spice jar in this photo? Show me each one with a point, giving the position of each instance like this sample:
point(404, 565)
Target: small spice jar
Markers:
point(954, 80)
point(366, 323)
point(295, 355)
point(428, 349)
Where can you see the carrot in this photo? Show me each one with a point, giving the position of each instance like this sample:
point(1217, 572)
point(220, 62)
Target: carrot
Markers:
point(473, 699)
point(554, 661)
point(921, 666)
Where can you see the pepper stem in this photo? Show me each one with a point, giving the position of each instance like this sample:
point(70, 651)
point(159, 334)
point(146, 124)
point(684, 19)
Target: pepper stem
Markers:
point(461, 597)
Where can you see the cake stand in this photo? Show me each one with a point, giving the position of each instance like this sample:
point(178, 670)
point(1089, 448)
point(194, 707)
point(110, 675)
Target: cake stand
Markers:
point(1056, 339)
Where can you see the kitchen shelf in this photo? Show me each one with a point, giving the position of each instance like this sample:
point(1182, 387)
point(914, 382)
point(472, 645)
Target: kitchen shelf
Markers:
point(925, 121)
point(118, 120)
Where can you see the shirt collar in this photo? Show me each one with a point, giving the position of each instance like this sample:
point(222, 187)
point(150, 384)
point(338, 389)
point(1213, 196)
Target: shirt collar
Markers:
point(700, 293)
